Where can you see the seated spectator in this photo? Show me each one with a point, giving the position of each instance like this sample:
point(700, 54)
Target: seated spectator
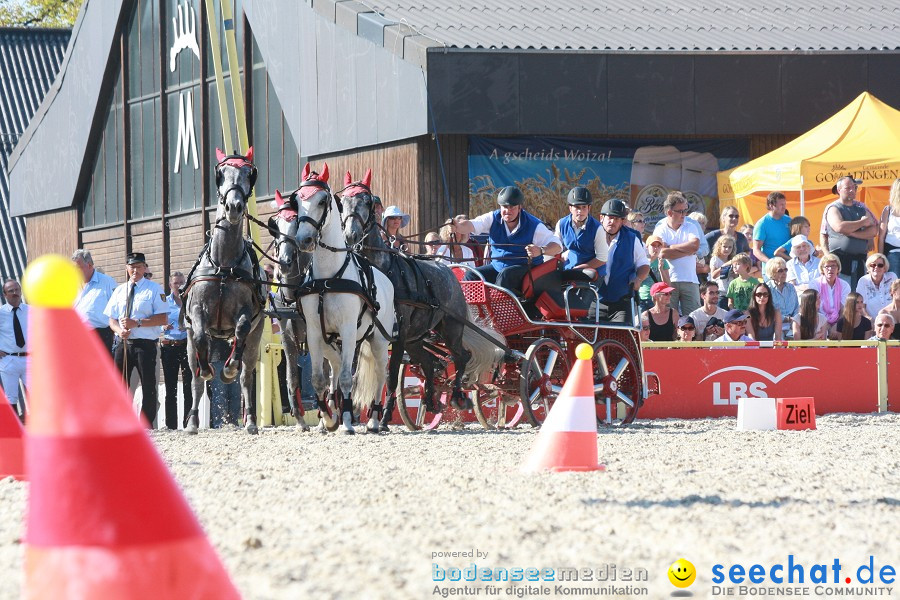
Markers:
point(889, 229)
point(662, 318)
point(875, 286)
point(393, 220)
point(741, 288)
point(832, 289)
point(784, 296)
point(659, 271)
point(799, 226)
point(720, 264)
point(884, 327)
point(893, 308)
point(709, 294)
point(715, 328)
point(645, 328)
point(765, 320)
point(454, 249)
point(636, 221)
point(686, 329)
point(735, 324)
point(432, 243)
point(810, 324)
point(803, 267)
point(853, 323)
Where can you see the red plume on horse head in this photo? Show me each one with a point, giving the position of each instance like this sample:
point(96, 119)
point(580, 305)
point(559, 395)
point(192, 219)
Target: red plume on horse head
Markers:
point(366, 181)
point(220, 156)
point(310, 174)
point(279, 199)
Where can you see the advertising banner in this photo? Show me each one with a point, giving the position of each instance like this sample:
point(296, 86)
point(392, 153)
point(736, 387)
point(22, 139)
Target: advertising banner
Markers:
point(641, 172)
point(708, 382)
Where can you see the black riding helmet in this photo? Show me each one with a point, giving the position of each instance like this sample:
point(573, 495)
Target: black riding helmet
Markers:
point(510, 196)
point(579, 196)
point(614, 208)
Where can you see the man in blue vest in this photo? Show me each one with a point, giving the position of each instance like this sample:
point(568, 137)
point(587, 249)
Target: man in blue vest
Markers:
point(581, 234)
point(519, 240)
point(627, 264)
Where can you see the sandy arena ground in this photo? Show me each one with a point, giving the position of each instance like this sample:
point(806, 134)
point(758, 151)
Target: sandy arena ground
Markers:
point(302, 515)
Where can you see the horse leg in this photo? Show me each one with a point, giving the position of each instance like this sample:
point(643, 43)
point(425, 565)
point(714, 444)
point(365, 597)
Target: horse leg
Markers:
point(200, 352)
point(345, 375)
point(241, 330)
point(419, 356)
point(379, 350)
point(192, 423)
point(289, 339)
point(453, 337)
point(247, 339)
point(318, 352)
point(393, 374)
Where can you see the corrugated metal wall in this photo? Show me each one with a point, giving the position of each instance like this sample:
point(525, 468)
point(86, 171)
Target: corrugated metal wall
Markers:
point(29, 61)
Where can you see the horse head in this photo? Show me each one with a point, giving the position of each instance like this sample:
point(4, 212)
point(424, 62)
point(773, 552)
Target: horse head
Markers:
point(358, 208)
point(235, 177)
point(314, 203)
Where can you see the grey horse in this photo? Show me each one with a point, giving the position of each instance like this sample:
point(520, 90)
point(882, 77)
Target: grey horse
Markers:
point(223, 296)
point(428, 298)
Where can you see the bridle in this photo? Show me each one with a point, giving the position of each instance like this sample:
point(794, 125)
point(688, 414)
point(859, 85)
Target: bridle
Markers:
point(366, 224)
point(317, 225)
point(239, 162)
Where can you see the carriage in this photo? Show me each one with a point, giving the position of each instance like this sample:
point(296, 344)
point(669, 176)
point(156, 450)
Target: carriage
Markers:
point(541, 336)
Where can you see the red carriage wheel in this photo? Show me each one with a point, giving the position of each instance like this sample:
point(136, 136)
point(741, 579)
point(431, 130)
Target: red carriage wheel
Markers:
point(617, 383)
point(543, 373)
point(410, 395)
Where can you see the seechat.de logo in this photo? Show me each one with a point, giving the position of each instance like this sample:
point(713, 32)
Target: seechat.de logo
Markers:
point(747, 384)
point(682, 573)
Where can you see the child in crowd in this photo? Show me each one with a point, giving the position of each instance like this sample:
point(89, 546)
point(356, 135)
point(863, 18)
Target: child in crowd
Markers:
point(741, 289)
point(659, 271)
point(810, 324)
point(853, 323)
point(720, 264)
point(799, 226)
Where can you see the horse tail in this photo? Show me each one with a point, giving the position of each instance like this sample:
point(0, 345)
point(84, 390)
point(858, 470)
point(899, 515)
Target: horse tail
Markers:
point(367, 379)
point(485, 355)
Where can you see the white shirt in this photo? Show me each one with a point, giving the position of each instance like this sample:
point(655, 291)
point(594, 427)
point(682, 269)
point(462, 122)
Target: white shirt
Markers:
point(467, 256)
point(802, 274)
point(637, 250)
point(7, 334)
point(701, 318)
point(93, 298)
point(683, 269)
point(601, 248)
point(542, 234)
point(878, 297)
point(149, 300)
point(726, 338)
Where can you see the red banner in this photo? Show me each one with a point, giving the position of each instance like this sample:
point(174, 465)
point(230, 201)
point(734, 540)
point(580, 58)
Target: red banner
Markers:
point(708, 382)
point(893, 378)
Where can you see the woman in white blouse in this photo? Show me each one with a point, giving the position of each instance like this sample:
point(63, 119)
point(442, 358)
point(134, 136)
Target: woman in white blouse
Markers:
point(803, 267)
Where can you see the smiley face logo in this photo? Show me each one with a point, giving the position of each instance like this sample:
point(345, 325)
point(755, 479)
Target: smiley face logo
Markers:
point(682, 573)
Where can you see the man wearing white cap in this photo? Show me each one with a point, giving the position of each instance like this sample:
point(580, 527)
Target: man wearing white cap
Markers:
point(393, 219)
point(803, 266)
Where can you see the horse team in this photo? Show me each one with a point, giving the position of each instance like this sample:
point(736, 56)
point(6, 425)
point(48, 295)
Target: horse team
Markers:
point(358, 305)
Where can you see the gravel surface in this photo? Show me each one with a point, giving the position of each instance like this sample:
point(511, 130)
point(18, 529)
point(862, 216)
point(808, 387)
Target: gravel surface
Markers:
point(305, 515)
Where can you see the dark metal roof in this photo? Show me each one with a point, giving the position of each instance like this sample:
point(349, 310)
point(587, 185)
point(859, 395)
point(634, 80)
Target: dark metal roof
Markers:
point(650, 25)
point(29, 61)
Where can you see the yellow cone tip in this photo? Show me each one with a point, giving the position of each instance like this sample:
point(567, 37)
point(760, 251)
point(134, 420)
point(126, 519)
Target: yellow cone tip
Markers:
point(584, 351)
point(51, 281)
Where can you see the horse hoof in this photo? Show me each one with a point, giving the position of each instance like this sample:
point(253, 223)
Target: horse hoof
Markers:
point(321, 428)
point(191, 429)
point(252, 429)
point(384, 427)
point(206, 375)
point(347, 431)
point(302, 426)
point(372, 426)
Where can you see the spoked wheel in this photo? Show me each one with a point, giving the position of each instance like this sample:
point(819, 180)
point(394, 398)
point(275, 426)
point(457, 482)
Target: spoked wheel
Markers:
point(410, 401)
point(617, 383)
point(498, 410)
point(543, 373)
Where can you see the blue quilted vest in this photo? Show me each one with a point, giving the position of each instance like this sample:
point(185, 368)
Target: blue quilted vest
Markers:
point(620, 266)
point(579, 244)
point(515, 254)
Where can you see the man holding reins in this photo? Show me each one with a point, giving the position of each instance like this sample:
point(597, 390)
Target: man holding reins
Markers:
point(518, 239)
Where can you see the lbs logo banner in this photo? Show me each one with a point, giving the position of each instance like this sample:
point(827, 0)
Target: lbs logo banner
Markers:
point(709, 382)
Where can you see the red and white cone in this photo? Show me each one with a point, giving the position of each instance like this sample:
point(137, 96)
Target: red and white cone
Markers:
point(105, 517)
point(12, 447)
point(567, 440)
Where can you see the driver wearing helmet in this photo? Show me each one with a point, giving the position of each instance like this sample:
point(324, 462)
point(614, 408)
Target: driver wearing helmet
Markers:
point(581, 234)
point(627, 263)
point(518, 239)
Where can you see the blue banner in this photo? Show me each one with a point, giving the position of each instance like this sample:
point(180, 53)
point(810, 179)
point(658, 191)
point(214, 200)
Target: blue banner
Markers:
point(640, 172)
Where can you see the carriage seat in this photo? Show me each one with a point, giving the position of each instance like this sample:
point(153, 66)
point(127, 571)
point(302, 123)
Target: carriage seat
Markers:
point(543, 285)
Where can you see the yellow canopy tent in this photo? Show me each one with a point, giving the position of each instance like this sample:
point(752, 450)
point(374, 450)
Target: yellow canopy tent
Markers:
point(862, 140)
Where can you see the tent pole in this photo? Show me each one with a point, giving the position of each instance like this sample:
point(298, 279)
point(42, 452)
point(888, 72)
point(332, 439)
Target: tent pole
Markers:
point(802, 199)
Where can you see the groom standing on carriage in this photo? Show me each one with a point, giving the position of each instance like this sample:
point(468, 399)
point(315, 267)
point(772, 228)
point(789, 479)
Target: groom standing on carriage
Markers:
point(136, 311)
point(518, 239)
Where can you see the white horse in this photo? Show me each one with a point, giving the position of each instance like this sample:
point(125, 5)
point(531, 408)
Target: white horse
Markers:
point(348, 308)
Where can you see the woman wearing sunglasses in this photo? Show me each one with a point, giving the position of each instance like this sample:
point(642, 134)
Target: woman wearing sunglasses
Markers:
point(765, 320)
point(875, 285)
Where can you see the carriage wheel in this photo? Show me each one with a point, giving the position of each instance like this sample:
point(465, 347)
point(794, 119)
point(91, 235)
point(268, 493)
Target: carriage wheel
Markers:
point(482, 403)
point(543, 373)
point(617, 383)
point(410, 392)
point(496, 410)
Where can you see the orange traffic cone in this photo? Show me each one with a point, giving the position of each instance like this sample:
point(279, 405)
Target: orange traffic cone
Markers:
point(567, 440)
point(12, 461)
point(105, 517)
